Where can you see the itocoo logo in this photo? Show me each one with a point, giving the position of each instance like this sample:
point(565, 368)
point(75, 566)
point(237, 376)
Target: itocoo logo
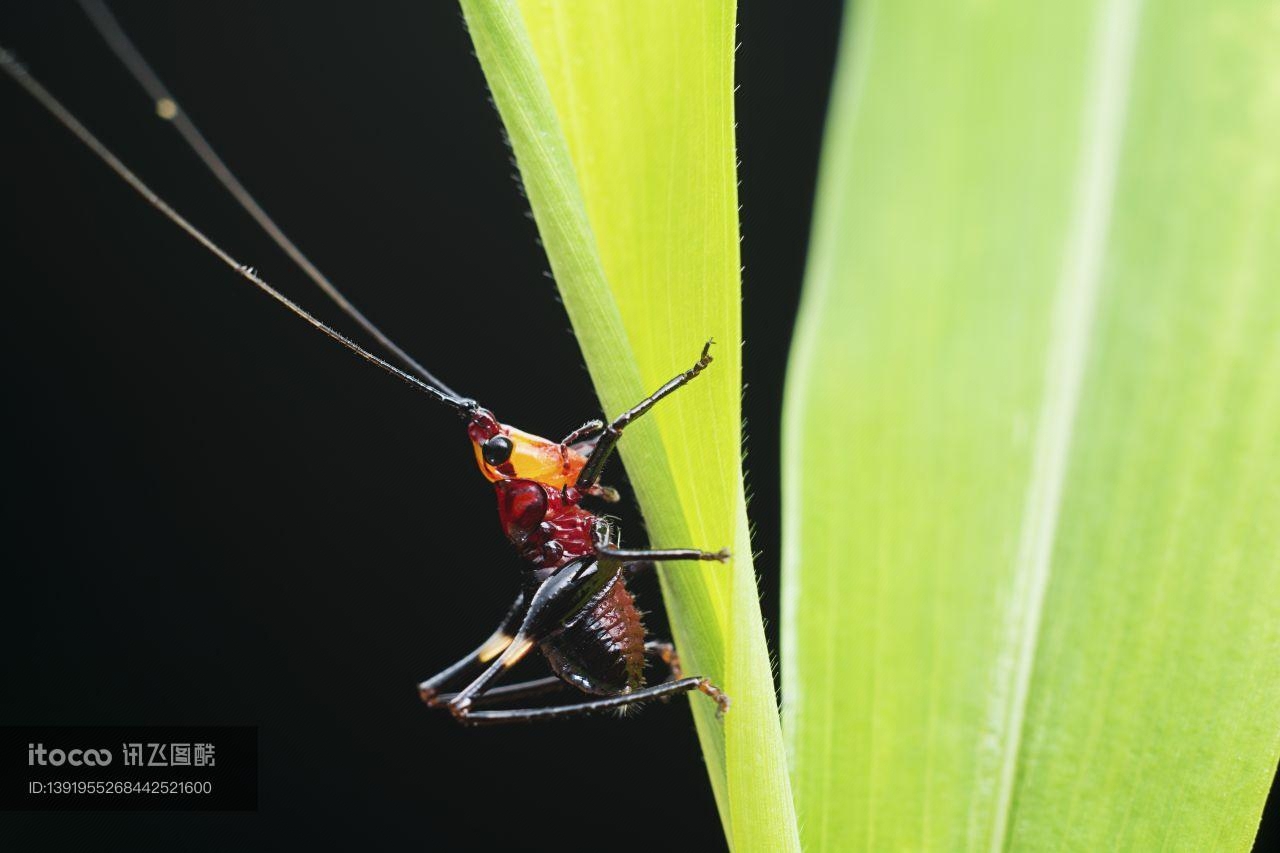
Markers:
point(37, 754)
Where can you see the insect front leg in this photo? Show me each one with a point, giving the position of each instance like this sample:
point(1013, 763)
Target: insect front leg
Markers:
point(497, 643)
point(590, 428)
point(590, 473)
point(578, 441)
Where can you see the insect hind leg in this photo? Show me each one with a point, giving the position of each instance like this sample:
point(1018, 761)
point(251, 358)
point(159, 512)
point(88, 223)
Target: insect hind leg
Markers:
point(617, 702)
point(666, 652)
point(519, 690)
point(497, 643)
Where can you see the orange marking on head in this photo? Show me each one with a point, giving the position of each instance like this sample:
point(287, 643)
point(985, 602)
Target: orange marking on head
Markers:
point(531, 457)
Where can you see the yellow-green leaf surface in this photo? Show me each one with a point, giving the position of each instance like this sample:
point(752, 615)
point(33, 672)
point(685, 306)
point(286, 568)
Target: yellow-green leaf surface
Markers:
point(620, 113)
point(1032, 451)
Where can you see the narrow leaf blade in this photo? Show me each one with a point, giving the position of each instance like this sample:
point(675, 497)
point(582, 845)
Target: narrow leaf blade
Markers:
point(621, 118)
point(1031, 478)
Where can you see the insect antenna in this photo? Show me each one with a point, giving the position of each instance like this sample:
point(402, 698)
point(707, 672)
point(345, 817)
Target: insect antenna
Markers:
point(23, 78)
point(167, 108)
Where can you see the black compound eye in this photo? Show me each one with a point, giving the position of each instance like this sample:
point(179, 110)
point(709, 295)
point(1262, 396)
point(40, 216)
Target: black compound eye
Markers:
point(496, 450)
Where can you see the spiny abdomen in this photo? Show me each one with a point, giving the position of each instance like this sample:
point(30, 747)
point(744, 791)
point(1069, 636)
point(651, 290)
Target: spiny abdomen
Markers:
point(602, 651)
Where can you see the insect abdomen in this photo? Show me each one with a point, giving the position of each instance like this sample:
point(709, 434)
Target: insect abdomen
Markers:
point(602, 651)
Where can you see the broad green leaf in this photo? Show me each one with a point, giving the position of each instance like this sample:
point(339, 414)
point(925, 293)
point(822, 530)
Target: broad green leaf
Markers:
point(1032, 450)
point(621, 118)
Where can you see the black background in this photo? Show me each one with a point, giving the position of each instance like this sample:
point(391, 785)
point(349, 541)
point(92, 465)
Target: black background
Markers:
point(214, 516)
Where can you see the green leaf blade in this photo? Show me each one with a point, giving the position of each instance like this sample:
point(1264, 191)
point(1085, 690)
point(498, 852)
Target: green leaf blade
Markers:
point(1176, 742)
point(621, 118)
point(1001, 603)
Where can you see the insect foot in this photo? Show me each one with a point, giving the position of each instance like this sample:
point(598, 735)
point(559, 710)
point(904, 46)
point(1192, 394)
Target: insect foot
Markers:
point(720, 697)
point(723, 555)
point(461, 710)
point(428, 695)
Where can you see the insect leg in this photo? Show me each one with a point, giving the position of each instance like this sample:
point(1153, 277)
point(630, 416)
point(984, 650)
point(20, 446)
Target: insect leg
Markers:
point(459, 704)
point(667, 653)
point(519, 690)
point(558, 598)
point(590, 428)
point(497, 643)
point(608, 494)
point(664, 651)
point(582, 441)
point(640, 556)
point(621, 700)
point(590, 473)
point(604, 536)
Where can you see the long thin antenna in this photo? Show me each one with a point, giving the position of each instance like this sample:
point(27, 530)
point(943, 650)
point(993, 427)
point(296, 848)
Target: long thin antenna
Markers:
point(24, 79)
point(167, 108)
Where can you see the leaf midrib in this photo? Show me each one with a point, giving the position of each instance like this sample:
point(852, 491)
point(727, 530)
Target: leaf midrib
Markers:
point(1105, 99)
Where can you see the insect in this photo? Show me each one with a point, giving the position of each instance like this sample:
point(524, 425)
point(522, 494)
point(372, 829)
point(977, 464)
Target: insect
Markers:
point(574, 605)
